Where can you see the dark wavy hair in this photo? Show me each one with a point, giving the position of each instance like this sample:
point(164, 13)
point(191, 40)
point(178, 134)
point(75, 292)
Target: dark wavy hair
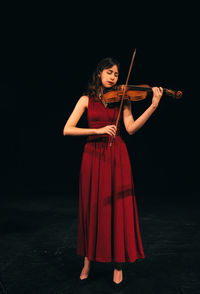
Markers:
point(95, 84)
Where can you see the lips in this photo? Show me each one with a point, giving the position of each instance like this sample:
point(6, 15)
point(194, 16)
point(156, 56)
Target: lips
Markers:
point(111, 83)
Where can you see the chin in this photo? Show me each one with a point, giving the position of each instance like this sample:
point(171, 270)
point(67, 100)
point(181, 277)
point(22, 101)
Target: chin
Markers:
point(110, 86)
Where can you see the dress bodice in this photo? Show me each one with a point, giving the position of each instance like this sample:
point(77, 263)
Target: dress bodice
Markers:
point(100, 116)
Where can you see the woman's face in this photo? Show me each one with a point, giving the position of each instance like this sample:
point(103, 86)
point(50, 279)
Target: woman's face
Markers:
point(109, 76)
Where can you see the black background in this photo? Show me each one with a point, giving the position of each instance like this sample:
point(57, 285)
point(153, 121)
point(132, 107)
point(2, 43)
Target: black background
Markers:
point(47, 57)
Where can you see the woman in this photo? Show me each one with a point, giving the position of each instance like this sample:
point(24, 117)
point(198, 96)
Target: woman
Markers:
point(108, 227)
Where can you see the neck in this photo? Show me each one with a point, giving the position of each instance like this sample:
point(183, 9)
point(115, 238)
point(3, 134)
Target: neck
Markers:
point(100, 92)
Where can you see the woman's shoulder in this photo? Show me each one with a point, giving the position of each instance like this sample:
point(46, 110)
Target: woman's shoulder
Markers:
point(84, 100)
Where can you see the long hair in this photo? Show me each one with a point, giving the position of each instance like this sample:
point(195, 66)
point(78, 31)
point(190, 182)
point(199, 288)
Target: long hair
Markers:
point(95, 83)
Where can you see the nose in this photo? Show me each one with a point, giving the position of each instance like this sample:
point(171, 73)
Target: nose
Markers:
point(112, 77)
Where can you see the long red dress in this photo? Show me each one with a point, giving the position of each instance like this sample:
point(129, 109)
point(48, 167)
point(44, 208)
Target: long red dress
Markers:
point(108, 227)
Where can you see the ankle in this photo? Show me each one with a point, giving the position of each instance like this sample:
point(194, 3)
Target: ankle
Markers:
point(86, 262)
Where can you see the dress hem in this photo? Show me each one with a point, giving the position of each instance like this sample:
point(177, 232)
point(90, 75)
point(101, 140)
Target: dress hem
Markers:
point(109, 259)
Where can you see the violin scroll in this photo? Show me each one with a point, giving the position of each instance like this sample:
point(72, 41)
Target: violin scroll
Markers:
point(175, 94)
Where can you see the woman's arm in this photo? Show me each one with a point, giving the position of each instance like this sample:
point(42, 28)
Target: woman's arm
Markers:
point(70, 128)
point(133, 126)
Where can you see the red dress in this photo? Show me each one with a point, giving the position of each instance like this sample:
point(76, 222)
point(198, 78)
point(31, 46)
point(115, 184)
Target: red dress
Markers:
point(108, 227)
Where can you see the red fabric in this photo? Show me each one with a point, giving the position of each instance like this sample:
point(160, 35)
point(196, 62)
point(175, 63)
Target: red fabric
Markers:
point(108, 227)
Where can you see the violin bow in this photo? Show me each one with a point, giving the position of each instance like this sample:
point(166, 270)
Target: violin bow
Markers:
point(123, 94)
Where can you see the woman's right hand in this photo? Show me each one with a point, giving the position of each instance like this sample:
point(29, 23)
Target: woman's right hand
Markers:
point(110, 130)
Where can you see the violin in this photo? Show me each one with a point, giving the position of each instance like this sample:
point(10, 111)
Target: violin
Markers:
point(135, 93)
point(132, 93)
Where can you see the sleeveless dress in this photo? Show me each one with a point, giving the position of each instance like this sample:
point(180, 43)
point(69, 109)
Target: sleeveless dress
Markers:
point(108, 226)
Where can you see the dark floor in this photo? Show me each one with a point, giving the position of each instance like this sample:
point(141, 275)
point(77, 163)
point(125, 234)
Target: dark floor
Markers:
point(38, 248)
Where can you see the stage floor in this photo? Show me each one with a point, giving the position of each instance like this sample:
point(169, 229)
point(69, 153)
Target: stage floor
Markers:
point(38, 247)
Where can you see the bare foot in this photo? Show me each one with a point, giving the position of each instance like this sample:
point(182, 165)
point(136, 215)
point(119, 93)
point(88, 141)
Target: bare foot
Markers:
point(84, 273)
point(86, 269)
point(117, 276)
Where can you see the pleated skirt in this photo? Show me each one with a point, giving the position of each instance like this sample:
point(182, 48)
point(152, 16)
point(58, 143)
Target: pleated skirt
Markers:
point(108, 225)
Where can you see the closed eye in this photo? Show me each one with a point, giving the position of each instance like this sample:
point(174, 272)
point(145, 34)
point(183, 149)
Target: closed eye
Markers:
point(110, 72)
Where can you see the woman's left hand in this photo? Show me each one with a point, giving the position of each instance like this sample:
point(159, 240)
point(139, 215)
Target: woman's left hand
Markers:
point(157, 94)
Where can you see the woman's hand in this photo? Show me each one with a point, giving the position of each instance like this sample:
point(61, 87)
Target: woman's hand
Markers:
point(157, 94)
point(110, 130)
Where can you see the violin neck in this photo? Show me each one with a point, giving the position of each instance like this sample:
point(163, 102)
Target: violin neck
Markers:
point(149, 89)
point(143, 88)
point(174, 94)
